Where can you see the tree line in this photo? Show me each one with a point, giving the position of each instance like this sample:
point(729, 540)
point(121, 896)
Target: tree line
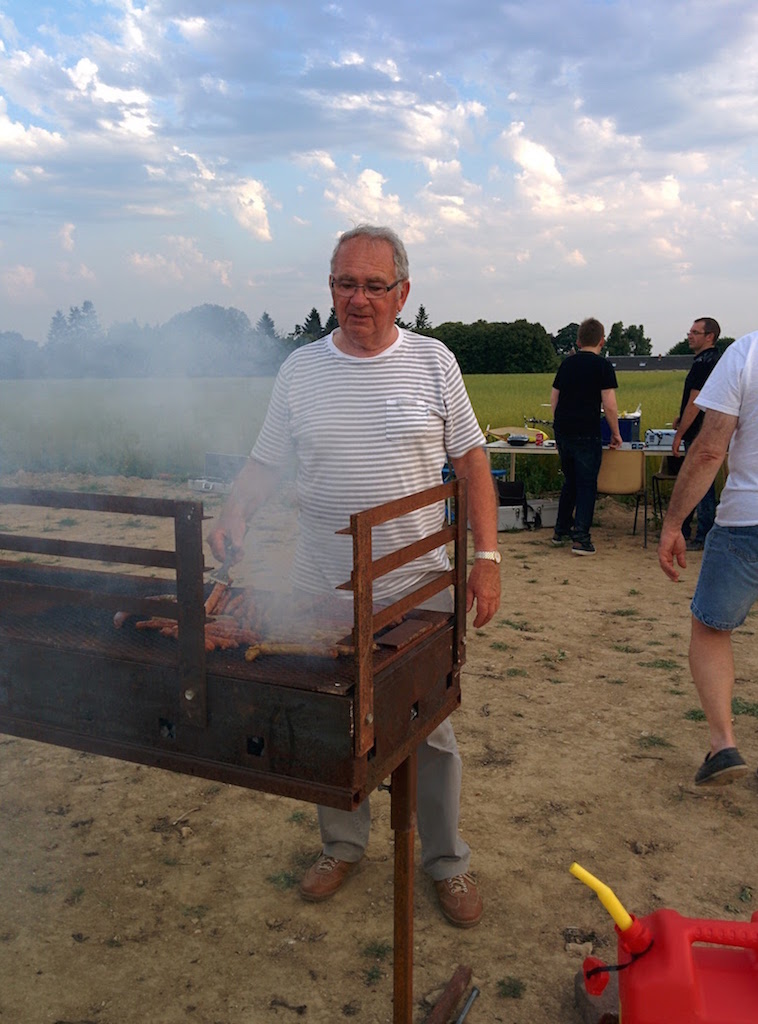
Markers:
point(211, 340)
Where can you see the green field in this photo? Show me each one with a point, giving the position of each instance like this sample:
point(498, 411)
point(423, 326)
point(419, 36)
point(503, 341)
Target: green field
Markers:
point(150, 427)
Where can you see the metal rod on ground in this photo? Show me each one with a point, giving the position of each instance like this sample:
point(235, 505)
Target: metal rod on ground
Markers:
point(450, 998)
point(468, 1005)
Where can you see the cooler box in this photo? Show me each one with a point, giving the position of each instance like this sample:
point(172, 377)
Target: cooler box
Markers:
point(220, 472)
point(543, 512)
point(629, 428)
point(515, 512)
point(662, 439)
point(511, 517)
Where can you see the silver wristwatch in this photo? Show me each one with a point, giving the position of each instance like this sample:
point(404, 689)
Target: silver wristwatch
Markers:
point(490, 556)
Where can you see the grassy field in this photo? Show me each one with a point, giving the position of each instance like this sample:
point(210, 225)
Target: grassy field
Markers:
point(147, 427)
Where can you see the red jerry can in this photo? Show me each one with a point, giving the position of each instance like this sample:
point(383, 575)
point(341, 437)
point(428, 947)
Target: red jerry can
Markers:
point(695, 971)
point(679, 970)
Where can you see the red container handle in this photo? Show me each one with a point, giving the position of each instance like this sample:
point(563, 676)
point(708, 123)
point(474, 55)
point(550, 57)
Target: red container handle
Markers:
point(724, 933)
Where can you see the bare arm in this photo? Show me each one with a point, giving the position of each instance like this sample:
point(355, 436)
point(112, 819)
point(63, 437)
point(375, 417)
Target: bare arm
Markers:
point(251, 489)
point(610, 408)
point(683, 423)
point(695, 477)
point(484, 579)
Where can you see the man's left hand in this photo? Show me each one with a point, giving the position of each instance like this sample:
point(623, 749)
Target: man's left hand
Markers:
point(483, 587)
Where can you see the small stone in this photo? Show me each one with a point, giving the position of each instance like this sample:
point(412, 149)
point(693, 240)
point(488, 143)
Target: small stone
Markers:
point(579, 949)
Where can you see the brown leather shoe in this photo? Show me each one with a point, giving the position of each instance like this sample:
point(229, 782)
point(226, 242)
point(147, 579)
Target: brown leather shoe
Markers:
point(460, 901)
point(324, 877)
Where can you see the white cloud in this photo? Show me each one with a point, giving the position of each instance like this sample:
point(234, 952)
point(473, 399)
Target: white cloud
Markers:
point(537, 162)
point(576, 259)
point(66, 236)
point(20, 283)
point(76, 272)
point(20, 143)
point(317, 159)
point(364, 198)
point(29, 175)
point(661, 196)
point(348, 60)
point(247, 200)
point(183, 262)
point(389, 68)
point(214, 84)
point(667, 248)
point(122, 111)
point(192, 29)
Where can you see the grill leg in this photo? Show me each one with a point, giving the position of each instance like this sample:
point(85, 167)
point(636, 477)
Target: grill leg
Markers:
point(403, 821)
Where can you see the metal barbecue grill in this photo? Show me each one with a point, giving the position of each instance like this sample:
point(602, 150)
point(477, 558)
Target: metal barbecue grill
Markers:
point(326, 730)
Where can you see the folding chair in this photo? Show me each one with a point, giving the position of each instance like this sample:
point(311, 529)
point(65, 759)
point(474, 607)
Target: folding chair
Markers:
point(623, 472)
point(667, 473)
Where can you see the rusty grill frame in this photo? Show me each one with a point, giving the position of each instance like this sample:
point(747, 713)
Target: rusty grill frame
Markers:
point(198, 695)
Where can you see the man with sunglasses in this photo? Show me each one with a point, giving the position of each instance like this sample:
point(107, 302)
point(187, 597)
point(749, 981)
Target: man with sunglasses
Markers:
point(702, 338)
point(372, 413)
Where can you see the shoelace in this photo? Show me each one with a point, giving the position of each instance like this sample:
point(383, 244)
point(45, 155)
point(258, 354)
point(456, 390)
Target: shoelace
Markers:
point(457, 885)
point(327, 864)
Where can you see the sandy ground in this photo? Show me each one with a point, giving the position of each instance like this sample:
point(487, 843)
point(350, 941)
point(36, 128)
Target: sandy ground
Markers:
point(131, 894)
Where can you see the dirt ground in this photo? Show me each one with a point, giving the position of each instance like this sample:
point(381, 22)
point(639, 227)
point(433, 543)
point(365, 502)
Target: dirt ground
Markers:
point(131, 894)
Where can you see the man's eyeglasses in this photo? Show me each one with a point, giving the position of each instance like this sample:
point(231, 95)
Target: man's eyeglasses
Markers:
point(698, 332)
point(372, 290)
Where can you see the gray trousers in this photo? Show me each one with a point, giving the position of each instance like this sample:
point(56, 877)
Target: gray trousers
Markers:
point(344, 834)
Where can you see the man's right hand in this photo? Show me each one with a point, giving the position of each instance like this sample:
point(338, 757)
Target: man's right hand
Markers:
point(227, 536)
point(672, 546)
point(252, 487)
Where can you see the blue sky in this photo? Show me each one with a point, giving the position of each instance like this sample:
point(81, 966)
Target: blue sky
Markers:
point(549, 160)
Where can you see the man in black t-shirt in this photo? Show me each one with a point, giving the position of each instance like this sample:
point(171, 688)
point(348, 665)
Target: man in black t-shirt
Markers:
point(702, 338)
point(584, 382)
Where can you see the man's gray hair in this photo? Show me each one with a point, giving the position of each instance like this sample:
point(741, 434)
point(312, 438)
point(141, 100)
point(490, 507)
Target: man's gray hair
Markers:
point(377, 234)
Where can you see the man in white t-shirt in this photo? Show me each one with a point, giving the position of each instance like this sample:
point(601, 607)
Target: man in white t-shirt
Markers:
point(371, 387)
point(727, 586)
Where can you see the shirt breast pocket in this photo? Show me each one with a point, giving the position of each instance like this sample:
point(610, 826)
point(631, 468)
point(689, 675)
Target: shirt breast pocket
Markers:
point(405, 417)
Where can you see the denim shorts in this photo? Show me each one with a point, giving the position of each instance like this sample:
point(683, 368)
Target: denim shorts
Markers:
point(727, 586)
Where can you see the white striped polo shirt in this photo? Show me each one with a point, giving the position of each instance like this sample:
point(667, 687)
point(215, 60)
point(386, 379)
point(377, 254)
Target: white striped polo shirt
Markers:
point(365, 431)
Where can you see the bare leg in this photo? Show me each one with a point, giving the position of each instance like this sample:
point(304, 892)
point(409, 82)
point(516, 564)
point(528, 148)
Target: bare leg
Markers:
point(712, 667)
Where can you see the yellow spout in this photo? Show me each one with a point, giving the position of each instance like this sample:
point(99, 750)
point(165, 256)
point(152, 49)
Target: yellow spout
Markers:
point(606, 896)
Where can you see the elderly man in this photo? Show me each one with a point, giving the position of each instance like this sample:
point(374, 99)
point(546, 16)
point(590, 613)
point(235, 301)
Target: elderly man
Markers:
point(728, 583)
point(371, 387)
point(702, 338)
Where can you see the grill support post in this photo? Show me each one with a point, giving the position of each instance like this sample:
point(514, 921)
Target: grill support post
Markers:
point(188, 538)
point(403, 822)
